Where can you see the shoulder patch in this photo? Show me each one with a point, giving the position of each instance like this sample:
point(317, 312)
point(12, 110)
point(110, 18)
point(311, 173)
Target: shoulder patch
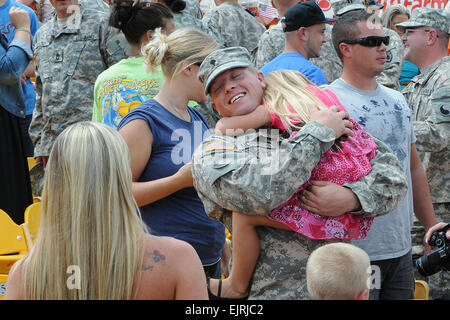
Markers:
point(219, 145)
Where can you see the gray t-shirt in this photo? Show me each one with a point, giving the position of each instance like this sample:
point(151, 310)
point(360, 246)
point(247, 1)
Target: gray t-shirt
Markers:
point(385, 114)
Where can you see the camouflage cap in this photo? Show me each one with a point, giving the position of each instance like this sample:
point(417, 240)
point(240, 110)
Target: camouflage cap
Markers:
point(434, 18)
point(220, 61)
point(342, 6)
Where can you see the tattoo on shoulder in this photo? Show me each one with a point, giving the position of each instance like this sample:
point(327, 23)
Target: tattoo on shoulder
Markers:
point(156, 256)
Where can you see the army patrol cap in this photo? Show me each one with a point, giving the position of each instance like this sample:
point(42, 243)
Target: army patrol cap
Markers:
point(342, 6)
point(220, 61)
point(434, 18)
point(303, 14)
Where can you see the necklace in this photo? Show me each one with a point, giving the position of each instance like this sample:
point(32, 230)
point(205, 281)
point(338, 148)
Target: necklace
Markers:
point(173, 109)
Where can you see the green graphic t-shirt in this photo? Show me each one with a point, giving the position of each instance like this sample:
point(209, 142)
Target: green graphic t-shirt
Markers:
point(123, 87)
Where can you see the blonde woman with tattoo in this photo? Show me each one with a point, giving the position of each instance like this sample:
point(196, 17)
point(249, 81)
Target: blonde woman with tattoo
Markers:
point(92, 243)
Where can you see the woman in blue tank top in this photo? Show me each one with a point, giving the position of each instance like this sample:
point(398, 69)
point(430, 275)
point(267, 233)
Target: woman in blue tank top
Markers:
point(162, 134)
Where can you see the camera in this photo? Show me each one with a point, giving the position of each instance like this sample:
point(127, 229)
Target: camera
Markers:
point(439, 258)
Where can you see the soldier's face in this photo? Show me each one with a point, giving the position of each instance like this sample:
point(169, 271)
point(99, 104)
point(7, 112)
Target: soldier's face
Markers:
point(237, 91)
point(63, 7)
point(415, 40)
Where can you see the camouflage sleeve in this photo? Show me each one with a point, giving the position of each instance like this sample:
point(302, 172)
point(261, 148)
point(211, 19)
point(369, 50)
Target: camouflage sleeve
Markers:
point(247, 182)
point(269, 46)
point(433, 132)
point(36, 124)
point(394, 62)
point(113, 45)
point(382, 190)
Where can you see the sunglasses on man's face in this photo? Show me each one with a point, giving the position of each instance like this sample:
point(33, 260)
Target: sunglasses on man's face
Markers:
point(372, 41)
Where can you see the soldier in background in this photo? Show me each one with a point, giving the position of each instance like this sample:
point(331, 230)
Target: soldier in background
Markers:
point(272, 41)
point(236, 173)
point(426, 37)
point(71, 50)
point(236, 26)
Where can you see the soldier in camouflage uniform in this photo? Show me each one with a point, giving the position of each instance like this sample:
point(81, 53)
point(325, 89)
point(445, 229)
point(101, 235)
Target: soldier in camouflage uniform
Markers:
point(236, 173)
point(236, 26)
point(428, 96)
point(68, 59)
point(193, 8)
point(271, 44)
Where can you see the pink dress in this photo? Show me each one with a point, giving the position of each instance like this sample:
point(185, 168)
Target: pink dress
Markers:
point(349, 164)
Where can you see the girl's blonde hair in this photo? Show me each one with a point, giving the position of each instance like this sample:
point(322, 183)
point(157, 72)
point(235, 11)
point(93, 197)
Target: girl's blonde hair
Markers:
point(89, 219)
point(174, 52)
point(287, 89)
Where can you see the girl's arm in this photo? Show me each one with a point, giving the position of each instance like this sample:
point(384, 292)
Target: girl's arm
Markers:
point(232, 126)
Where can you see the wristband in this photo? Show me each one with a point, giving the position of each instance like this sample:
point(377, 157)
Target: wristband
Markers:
point(24, 30)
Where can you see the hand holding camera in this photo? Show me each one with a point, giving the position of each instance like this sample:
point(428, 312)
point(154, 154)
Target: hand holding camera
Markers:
point(439, 259)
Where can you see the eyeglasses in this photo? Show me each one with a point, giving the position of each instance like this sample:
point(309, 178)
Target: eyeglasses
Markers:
point(407, 31)
point(371, 41)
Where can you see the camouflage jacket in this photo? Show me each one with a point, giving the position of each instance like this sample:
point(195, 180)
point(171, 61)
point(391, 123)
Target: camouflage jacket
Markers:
point(184, 20)
point(255, 172)
point(428, 95)
point(67, 63)
point(272, 42)
point(236, 26)
point(193, 8)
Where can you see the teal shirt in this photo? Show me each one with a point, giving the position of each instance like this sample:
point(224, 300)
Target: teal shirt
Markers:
point(409, 71)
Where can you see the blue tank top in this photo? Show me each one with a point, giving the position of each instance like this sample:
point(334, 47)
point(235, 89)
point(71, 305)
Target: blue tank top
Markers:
point(180, 215)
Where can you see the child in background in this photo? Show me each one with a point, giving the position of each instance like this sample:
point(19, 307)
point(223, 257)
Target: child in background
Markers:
point(288, 100)
point(338, 271)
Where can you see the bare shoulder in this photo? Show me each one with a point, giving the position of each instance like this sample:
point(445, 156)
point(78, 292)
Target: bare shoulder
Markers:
point(164, 266)
point(14, 287)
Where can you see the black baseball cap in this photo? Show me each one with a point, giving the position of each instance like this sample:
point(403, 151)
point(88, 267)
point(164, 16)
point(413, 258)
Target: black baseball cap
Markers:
point(303, 14)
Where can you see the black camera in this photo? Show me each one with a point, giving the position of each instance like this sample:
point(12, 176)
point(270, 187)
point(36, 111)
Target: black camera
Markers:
point(439, 258)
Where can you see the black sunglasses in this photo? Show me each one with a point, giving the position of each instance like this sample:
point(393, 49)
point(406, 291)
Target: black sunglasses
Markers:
point(372, 41)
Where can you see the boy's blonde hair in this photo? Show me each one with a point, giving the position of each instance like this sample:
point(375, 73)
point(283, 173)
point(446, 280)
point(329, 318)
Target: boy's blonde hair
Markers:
point(89, 219)
point(174, 52)
point(289, 88)
point(337, 271)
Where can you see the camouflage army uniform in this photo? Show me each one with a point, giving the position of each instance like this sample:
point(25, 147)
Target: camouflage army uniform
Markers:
point(237, 178)
point(183, 20)
point(259, 170)
point(428, 96)
point(67, 64)
point(236, 26)
point(193, 8)
point(270, 45)
point(329, 61)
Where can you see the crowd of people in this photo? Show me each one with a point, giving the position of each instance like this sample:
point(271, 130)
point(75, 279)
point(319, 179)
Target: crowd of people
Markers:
point(158, 128)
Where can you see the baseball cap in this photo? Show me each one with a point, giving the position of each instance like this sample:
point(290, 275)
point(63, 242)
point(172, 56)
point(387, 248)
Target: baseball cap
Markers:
point(342, 6)
point(220, 61)
point(303, 14)
point(373, 4)
point(434, 18)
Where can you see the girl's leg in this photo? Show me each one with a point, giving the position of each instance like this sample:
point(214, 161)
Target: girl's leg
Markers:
point(245, 253)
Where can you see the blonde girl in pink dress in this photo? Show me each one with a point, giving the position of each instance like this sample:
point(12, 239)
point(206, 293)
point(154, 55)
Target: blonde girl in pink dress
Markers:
point(288, 99)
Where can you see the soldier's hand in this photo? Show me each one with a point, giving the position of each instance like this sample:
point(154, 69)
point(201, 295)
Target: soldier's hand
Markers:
point(20, 18)
point(328, 199)
point(334, 119)
point(184, 174)
point(42, 159)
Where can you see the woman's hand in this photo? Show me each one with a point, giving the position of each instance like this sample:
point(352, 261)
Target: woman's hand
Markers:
point(20, 18)
point(184, 175)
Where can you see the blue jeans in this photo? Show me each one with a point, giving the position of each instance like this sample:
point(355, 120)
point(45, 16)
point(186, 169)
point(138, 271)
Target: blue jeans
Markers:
point(397, 279)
